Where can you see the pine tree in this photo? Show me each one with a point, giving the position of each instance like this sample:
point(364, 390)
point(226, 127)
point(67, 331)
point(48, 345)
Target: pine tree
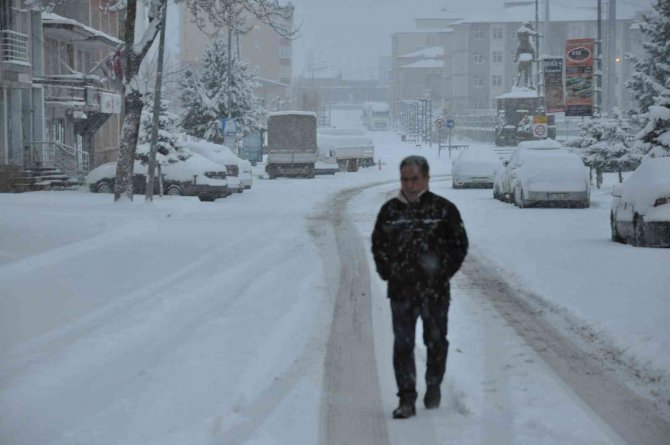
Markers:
point(606, 144)
point(167, 149)
point(204, 95)
point(650, 83)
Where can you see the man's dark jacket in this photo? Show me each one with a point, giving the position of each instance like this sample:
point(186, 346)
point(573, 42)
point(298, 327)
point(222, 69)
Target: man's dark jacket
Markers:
point(418, 247)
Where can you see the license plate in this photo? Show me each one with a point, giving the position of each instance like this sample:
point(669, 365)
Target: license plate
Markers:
point(557, 195)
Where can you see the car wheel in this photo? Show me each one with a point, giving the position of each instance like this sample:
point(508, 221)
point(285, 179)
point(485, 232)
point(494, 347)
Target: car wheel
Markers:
point(615, 233)
point(173, 190)
point(512, 197)
point(638, 231)
point(104, 187)
point(206, 198)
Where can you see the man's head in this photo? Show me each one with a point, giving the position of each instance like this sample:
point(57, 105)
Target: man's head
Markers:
point(414, 177)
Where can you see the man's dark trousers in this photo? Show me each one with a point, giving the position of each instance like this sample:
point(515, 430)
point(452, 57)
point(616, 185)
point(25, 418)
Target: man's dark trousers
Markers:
point(434, 316)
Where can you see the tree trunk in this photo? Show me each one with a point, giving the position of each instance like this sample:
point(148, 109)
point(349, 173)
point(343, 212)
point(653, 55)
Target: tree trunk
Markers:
point(129, 134)
point(133, 54)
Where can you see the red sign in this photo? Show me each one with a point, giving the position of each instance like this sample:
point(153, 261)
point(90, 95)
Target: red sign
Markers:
point(579, 77)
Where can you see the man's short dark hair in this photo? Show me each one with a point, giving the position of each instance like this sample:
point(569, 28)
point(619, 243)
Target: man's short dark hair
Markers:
point(419, 161)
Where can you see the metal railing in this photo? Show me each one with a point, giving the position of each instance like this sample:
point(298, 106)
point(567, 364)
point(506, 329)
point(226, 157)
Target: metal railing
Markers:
point(69, 160)
point(13, 46)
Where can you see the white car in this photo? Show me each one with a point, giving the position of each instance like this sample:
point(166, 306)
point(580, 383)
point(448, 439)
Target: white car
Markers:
point(221, 155)
point(195, 176)
point(516, 160)
point(475, 168)
point(640, 212)
point(550, 178)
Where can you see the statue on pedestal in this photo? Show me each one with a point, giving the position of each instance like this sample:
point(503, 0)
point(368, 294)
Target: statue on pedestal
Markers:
point(525, 54)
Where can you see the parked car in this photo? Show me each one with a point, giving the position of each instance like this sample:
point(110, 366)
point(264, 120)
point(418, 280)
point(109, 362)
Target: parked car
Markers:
point(221, 155)
point(640, 212)
point(516, 160)
point(246, 175)
point(196, 176)
point(475, 168)
point(551, 178)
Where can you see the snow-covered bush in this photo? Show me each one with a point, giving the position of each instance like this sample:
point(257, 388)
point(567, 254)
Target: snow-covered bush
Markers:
point(167, 148)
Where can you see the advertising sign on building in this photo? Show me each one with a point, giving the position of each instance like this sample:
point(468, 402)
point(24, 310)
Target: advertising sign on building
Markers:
point(553, 84)
point(579, 77)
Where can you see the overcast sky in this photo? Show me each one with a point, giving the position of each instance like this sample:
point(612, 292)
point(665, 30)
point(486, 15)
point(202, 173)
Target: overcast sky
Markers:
point(352, 34)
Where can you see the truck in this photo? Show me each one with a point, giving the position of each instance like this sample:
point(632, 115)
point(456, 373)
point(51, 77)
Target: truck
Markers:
point(515, 111)
point(348, 150)
point(291, 148)
point(376, 116)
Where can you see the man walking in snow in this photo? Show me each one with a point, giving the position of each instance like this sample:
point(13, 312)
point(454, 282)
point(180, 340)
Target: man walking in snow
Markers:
point(418, 244)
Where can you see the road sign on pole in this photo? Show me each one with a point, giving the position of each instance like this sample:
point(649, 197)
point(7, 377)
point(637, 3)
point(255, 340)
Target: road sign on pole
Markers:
point(439, 123)
point(450, 123)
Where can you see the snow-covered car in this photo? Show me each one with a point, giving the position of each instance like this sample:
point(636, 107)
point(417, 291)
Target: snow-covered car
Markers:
point(221, 155)
point(497, 185)
point(195, 176)
point(246, 175)
point(516, 160)
point(640, 212)
point(475, 168)
point(551, 178)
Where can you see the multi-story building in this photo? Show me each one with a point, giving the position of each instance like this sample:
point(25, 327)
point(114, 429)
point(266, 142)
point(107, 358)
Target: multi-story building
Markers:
point(58, 107)
point(81, 92)
point(266, 52)
point(21, 103)
point(478, 52)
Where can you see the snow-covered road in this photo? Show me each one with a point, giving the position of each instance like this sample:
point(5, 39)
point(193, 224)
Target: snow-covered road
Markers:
point(217, 323)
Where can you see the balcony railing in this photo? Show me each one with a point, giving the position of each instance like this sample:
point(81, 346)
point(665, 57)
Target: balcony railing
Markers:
point(13, 47)
point(85, 93)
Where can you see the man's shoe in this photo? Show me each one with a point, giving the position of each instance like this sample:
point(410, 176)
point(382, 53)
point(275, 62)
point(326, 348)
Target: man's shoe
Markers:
point(432, 398)
point(404, 410)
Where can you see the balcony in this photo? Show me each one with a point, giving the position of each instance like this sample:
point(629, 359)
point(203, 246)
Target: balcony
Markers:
point(14, 47)
point(80, 93)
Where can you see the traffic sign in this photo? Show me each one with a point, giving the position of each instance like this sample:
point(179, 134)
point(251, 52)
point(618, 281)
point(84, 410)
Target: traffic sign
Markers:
point(439, 123)
point(540, 130)
point(451, 123)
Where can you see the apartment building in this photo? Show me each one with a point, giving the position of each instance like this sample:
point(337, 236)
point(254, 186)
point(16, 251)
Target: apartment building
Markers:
point(82, 93)
point(59, 105)
point(21, 103)
point(266, 52)
point(478, 51)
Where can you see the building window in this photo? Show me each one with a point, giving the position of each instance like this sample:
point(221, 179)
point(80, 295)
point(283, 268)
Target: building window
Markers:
point(497, 33)
point(496, 80)
point(479, 33)
point(478, 81)
point(479, 103)
point(479, 58)
point(497, 56)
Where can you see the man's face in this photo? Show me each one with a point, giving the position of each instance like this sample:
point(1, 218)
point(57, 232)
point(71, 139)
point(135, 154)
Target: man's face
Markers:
point(412, 182)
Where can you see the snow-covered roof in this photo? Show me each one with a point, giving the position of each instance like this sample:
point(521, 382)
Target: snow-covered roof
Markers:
point(426, 53)
point(293, 112)
point(49, 18)
point(427, 63)
point(271, 82)
point(517, 92)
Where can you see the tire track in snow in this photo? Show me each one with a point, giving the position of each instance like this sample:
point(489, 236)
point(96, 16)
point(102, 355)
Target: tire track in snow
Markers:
point(634, 419)
point(351, 409)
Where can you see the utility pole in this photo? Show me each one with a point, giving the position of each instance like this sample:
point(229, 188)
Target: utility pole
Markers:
point(537, 46)
point(598, 96)
point(230, 70)
point(610, 83)
point(149, 194)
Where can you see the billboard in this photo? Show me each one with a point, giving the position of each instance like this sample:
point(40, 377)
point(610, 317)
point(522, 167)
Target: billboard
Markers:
point(553, 84)
point(579, 56)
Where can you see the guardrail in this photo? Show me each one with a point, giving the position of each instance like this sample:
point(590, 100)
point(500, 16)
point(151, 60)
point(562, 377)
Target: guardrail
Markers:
point(13, 46)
